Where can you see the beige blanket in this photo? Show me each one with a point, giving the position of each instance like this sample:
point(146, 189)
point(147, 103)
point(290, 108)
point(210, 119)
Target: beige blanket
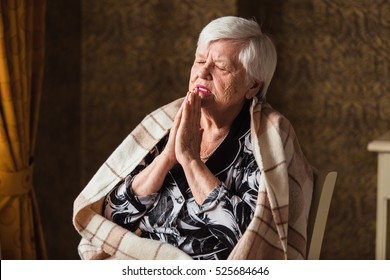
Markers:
point(278, 229)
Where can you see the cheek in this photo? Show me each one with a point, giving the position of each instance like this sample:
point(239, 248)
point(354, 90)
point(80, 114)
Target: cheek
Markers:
point(193, 74)
point(228, 92)
point(232, 87)
point(234, 90)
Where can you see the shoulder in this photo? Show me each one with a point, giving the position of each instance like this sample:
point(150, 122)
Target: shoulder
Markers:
point(271, 118)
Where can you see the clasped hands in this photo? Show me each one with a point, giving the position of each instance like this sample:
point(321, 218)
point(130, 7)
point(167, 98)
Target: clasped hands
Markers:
point(185, 135)
point(183, 147)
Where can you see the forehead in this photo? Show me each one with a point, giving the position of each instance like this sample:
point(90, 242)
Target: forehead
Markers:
point(227, 50)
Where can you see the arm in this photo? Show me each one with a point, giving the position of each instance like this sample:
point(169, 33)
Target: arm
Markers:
point(227, 211)
point(124, 208)
point(150, 180)
point(200, 179)
point(122, 205)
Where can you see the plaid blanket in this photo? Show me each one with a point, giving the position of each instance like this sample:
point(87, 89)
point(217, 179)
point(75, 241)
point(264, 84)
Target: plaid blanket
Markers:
point(278, 229)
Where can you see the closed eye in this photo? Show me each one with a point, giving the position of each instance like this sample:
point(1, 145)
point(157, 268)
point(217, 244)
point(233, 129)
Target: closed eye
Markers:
point(221, 68)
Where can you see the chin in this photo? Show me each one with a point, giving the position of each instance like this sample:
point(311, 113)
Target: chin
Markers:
point(206, 101)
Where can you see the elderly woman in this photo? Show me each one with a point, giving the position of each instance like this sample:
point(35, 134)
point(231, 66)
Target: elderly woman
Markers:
point(218, 174)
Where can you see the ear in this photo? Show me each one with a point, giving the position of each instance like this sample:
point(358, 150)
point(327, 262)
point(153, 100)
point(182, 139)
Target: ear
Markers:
point(253, 90)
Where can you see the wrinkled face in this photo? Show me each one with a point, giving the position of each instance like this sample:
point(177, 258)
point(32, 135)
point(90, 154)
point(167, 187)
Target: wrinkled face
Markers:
point(219, 76)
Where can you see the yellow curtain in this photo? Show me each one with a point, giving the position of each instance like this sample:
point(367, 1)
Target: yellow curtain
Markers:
point(22, 30)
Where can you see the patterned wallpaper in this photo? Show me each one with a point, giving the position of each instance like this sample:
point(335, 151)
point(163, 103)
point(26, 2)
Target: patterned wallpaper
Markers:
point(333, 83)
point(136, 57)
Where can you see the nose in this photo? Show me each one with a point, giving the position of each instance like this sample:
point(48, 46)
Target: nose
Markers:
point(204, 72)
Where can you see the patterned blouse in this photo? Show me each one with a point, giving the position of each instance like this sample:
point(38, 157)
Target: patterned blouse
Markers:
point(207, 231)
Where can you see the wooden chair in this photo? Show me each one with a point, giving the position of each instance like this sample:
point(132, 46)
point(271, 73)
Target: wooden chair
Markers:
point(324, 183)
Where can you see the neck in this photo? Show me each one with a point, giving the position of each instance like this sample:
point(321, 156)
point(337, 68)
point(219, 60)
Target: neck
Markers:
point(218, 122)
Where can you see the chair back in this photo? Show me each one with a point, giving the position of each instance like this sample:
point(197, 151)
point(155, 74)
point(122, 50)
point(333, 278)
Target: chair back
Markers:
point(324, 183)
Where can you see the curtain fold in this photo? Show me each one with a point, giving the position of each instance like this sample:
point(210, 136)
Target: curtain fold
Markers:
point(22, 31)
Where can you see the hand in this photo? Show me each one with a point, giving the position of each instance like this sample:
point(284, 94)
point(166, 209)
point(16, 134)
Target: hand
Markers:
point(150, 180)
point(183, 145)
point(188, 133)
point(169, 150)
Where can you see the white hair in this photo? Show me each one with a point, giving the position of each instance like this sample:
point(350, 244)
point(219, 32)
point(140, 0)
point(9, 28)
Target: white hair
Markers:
point(258, 54)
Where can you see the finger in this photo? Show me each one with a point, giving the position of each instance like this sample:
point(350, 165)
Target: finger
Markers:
point(195, 111)
point(191, 114)
point(198, 107)
point(179, 113)
point(187, 98)
point(182, 125)
point(188, 106)
point(178, 118)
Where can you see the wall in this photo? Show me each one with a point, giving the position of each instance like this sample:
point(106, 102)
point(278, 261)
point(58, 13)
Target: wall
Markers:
point(332, 82)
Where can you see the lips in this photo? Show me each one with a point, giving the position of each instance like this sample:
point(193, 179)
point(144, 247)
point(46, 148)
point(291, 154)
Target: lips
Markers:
point(203, 90)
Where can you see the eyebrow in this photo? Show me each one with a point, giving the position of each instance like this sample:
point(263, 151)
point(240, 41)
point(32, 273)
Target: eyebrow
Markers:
point(224, 62)
point(221, 61)
point(199, 55)
point(229, 65)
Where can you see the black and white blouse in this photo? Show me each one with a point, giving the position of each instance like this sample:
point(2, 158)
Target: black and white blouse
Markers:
point(207, 231)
